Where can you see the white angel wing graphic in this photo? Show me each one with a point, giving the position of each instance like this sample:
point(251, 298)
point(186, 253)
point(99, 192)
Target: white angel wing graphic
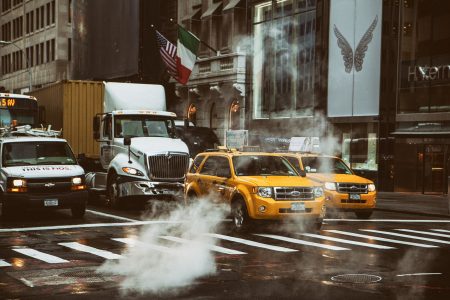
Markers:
point(363, 44)
point(360, 52)
point(346, 49)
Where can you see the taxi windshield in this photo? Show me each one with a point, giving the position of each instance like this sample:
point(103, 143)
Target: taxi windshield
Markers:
point(328, 165)
point(37, 153)
point(262, 165)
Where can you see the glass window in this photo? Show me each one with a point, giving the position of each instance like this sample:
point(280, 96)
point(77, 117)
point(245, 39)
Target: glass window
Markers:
point(196, 163)
point(359, 146)
point(262, 165)
point(142, 126)
point(213, 164)
point(37, 153)
point(327, 165)
point(294, 162)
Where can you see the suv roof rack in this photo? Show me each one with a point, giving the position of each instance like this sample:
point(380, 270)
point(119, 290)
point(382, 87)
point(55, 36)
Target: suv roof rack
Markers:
point(26, 130)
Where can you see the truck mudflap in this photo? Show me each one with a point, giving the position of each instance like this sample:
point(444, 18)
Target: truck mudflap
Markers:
point(151, 189)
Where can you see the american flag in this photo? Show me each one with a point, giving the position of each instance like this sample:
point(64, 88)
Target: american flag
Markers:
point(168, 53)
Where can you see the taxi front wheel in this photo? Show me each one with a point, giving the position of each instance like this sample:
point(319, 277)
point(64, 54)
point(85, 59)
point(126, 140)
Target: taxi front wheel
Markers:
point(239, 212)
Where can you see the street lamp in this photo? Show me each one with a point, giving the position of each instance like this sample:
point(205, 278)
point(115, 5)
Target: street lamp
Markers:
point(26, 58)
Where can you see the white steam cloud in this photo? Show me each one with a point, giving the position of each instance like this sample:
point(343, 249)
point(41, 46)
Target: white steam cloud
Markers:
point(155, 265)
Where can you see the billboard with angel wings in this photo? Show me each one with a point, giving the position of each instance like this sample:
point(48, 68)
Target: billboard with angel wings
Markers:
point(354, 58)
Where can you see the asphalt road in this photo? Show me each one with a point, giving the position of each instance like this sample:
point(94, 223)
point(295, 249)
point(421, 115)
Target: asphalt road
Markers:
point(131, 254)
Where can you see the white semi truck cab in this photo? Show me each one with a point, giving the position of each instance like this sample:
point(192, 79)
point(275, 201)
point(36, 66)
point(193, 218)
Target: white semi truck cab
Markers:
point(139, 150)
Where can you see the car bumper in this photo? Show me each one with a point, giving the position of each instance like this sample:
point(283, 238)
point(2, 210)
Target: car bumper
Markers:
point(63, 200)
point(342, 202)
point(151, 189)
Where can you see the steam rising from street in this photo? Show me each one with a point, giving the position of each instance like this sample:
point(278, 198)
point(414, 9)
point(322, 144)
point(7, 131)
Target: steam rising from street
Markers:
point(154, 265)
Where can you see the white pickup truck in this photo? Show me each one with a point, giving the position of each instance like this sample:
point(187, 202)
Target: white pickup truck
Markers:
point(39, 172)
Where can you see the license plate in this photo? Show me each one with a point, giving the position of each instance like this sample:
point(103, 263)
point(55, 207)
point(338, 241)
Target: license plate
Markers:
point(354, 196)
point(51, 202)
point(298, 206)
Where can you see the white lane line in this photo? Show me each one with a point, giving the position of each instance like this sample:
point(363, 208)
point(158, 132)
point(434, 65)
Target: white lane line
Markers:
point(110, 216)
point(329, 238)
point(133, 243)
point(425, 232)
point(27, 282)
point(441, 230)
point(387, 220)
point(94, 225)
point(4, 263)
point(302, 242)
point(51, 259)
point(407, 236)
point(418, 274)
point(210, 247)
point(250, 243)
point(376, 238)
point(91, 250)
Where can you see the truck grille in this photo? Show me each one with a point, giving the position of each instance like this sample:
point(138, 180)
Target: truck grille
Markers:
point(169, 166)
point(354, 188)
point(294, 193)
point(49, 185)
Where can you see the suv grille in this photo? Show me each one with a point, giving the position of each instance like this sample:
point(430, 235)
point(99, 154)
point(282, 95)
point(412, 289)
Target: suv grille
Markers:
point(49, 185)
point(170, 166)
point(352, 188)
point(294, 193)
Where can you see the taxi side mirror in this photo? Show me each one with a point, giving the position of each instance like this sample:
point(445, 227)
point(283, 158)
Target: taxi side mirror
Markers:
point(302, 173)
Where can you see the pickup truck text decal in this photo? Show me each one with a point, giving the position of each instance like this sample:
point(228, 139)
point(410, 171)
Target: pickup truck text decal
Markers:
point(47, 168)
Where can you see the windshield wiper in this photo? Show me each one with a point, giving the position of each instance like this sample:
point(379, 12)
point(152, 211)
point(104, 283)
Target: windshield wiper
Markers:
point(18, 163)
point(49, 163)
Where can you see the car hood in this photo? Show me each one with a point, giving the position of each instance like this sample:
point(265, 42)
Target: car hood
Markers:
point(346, 178)
point(153, 145)
point(275, 181)
point(43, 171)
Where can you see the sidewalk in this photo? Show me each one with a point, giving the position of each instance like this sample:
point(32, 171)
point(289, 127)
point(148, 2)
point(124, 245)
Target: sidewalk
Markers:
point(414, 203)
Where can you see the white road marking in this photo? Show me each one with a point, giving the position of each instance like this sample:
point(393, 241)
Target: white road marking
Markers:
point(4, 263)
point(302, 242)
point(250, 243)
point(27, 282)
point(441, 230)
point(110, 216)
point(329, 238)
point(133, 243)
point(91, 250)
point(418, 274)
point(407, 236)
point(388, 220)
point(210, 247)
point(381, 239)
point(425, 232)
point(51, 259)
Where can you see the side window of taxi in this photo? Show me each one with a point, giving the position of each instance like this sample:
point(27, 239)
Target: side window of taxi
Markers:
point(294, 162)
point(196, 164)
point(216, 165)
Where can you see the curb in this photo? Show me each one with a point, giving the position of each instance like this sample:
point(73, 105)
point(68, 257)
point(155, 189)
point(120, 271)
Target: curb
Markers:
point(446, 216)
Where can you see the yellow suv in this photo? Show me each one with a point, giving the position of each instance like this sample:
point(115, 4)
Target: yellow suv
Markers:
point(344, 191)
point(258, 186)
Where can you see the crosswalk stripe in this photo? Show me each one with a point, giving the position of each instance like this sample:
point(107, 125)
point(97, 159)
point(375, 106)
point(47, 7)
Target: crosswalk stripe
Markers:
point(441, 230)
point(250, 243)
point(91, 250)
point(329, 238)
point(407, 236)
point(133, 242)
point(51, 259)
point(210, 247)
point(425, 232)
point(381, 239)
point(4, 263)
point(302, 242)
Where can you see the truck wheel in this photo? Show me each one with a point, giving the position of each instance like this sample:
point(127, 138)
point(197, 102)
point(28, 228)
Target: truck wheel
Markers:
point(364, 214)
point(113, 192)
point(78, 211)
point(239, 213)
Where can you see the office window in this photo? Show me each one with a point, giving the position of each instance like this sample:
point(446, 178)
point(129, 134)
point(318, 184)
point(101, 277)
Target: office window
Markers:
point(38, 15)
point(37, 54)
point(6, 5)
point(53, 12)
point(41, 52)
point(31, 21)
point(69, 15)
point(47, 48)
point(53, 49)
point(42, 16)
point(48, 13)
point(69, 49)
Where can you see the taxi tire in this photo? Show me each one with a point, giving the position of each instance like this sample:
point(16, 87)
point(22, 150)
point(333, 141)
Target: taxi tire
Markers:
point(239, 214)
point(78, 211)
point(363, 214)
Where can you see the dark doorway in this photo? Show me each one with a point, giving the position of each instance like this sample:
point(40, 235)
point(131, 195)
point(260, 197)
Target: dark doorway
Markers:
point(434, 169)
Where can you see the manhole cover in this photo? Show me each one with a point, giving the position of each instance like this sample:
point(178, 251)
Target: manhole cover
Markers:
point(356, 278)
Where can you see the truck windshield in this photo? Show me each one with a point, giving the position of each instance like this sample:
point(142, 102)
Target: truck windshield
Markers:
point(37, 153)
point(328, 165)
point(262, 165)
point(142, 126)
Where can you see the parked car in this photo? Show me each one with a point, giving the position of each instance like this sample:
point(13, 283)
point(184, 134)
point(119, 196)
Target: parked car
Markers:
point(257, 186)
point(198, 139)
point(344, 191)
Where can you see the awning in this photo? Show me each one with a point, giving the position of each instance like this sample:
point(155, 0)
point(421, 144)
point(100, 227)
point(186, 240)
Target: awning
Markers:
point(212, 9)
point(232, 4)
point(191, 15)
point(420, 133)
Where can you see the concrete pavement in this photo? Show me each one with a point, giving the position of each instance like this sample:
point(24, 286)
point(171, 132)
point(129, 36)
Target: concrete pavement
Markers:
point(414, 203)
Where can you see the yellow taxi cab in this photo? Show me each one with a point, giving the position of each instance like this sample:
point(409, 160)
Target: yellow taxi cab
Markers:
point(344, 191)
point(257, 186)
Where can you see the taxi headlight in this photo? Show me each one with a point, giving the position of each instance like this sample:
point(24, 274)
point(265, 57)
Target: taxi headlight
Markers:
point(19, 183)
point(265, 192)
point(132, 171)
point(77, 181)
point(318, 192)
point(371, 187)
point(330, 186)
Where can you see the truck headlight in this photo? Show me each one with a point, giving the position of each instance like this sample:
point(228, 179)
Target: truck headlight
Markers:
point(19, 183)
point(318, 192)
point(77, 181)
point(78, 184)
point(132, 171)
point(16, 185)
point(330, 186)
point(265, 192)
point(371, 187)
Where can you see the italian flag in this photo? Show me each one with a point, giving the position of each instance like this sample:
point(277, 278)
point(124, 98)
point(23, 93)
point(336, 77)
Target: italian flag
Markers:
point(187, 47)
